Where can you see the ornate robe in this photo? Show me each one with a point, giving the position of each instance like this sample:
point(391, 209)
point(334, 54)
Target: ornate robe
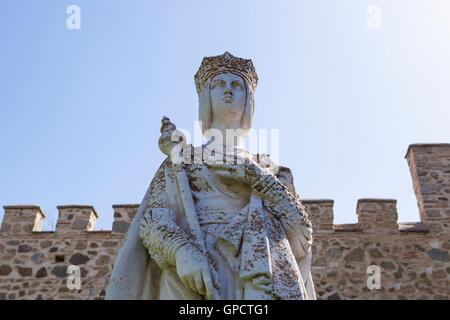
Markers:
point(252, 255)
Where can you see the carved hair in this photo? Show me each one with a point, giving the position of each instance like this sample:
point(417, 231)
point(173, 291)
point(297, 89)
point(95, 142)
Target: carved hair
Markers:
point(205, 106)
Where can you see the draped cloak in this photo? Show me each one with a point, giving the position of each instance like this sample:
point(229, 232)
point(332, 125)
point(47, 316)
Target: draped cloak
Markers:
point(254, 237)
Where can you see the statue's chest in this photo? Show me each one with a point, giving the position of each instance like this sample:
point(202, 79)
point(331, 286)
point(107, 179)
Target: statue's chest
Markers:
point(214, 192)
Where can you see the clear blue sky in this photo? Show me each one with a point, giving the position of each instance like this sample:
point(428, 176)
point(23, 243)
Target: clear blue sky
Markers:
point(80, 110)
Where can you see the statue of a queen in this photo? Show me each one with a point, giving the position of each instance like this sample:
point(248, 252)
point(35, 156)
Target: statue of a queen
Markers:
point(233, 229)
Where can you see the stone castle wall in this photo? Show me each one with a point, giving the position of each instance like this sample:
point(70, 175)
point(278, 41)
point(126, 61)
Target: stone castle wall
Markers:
point(413, 257)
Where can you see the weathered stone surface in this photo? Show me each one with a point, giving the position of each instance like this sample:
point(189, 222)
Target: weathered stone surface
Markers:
point(24, 248)
point(81, 245)
point(433, 213)
point(320, 261)
point(120, 226)
point(60, 271)
point(5, 270)
point(78, 258)
point(46, 244)
point(440, 255)
point(334, 296)
point(24, 272)
point(80, 224)
point(109, 244)
point(84, 272)
point(102, 272)
point(37, 258)
point(41, 273)
point(388, 265)
point(355, 255)
point(102, 260)
point(334, 252)
point(375, 253)
point(441, 274)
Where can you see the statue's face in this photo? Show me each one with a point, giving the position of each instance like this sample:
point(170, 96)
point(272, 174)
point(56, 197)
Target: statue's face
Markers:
point(228, 97)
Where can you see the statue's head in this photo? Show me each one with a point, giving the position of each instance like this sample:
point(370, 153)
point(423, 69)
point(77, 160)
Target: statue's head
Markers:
point(225, 85)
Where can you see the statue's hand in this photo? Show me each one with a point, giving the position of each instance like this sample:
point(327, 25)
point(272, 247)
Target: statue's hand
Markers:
point(232, 171)
point(259, 178)
point(193, 269)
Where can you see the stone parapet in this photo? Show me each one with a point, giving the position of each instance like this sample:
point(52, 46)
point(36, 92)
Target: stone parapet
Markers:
point(377, 215)
point(430, 170)
point(76, 218)
point(123, 216)
point(22, 219)
point(320, 213)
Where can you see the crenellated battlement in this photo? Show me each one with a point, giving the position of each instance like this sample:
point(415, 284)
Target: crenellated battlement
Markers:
point(72, 218)
point(22, 219)
point(27, 219)
point(374, 216)
point(123, 216)
point(430, 170)
point(413, 257)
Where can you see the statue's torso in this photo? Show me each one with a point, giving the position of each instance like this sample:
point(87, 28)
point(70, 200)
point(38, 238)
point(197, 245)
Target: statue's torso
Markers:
point(217, 202)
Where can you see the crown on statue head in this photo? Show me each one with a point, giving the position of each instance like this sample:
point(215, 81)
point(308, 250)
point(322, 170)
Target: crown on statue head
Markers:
point(226, 62)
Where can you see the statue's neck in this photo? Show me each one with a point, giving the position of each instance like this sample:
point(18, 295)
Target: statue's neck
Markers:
point(229, 135)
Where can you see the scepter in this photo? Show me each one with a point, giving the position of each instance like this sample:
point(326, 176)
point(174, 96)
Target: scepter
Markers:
point(168, 129)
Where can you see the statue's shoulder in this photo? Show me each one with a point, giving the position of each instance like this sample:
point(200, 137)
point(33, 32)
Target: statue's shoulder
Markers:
point(159, 178)
point(284, 174)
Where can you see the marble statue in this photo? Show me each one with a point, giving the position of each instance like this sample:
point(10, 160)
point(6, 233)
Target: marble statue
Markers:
point(217, 222)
